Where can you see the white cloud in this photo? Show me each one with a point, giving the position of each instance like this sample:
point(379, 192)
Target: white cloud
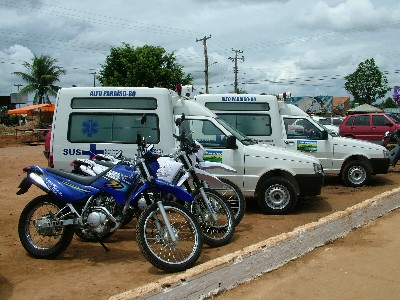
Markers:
point(11, 60)
point(296, 45)
point(349, 15)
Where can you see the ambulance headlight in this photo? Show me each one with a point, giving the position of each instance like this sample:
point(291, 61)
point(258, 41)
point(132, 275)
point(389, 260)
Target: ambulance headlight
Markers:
point(385, 153)
point(318, 168)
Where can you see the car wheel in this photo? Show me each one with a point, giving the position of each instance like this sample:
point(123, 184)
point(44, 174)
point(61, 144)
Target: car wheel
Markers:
point(277, 196)
point(356, 173)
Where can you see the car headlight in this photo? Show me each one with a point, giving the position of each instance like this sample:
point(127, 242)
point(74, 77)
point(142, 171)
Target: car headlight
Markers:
point(385, 153)
point(318, 168)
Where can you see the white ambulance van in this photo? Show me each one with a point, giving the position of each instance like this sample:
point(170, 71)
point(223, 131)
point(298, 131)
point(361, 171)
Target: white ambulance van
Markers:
point(275, 122)
point(88, 121)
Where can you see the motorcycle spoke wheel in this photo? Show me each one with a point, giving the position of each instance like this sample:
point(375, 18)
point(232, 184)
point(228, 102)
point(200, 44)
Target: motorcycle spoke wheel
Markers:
point(235, 198)
point(38, 239)
point(156, 244)
point(215, 232)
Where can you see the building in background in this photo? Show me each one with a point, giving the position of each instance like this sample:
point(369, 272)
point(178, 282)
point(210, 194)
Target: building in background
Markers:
point(340, 105)
point(313, 105)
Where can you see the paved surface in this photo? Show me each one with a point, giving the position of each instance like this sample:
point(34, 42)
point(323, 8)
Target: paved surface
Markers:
point(363, 265)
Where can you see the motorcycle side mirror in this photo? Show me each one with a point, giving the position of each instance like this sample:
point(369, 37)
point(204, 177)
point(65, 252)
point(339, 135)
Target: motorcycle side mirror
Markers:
point(231, 142)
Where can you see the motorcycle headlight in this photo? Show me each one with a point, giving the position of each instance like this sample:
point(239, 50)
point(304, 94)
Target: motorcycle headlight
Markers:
point(318, 168)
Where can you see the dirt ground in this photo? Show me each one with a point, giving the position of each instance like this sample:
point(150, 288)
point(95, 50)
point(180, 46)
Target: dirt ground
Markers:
point(86, 271)
point(362, 265)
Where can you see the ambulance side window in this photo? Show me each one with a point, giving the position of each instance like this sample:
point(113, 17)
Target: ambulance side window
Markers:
point(112, 128)
point(250, 124)
point(301, 129)
point(207, 134)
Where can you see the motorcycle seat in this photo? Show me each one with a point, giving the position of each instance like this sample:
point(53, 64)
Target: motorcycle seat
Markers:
point(82, 179)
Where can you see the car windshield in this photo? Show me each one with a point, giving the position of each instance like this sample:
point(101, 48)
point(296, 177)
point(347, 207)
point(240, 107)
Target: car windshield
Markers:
point(330, 131)
point(336, 121)
point(244, 139)
point(393, 118)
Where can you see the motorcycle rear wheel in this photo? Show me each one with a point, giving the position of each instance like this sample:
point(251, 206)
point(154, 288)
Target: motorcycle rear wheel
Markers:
point(51, 241)
point(155, 242)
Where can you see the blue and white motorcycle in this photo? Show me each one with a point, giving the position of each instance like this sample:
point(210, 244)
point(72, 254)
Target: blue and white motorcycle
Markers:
point(168, 234)
point(172, 171)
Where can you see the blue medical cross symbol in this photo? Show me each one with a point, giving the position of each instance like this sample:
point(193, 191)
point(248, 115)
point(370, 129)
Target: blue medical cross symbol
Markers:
point(92, 151)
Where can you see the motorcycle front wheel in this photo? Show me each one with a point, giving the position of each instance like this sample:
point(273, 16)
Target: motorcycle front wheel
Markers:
point(39, 228)
point(156, 244)
point(215, 232)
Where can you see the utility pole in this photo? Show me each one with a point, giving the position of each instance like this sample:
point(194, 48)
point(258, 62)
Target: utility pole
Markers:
point(19, 104)
point(204, 39)
point(94, 78)
point(18, 85)
point(235, 68)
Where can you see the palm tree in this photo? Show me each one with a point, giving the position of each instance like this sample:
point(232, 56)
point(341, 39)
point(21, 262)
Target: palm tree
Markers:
point(41, 76)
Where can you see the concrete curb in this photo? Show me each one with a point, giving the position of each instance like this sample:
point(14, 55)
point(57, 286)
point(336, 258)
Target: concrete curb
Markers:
point(226, 272)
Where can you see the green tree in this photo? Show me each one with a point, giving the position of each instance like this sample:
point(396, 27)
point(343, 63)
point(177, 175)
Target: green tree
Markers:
point(367, 84)
point(388, 103)
point(41, 76)
point(147, 66)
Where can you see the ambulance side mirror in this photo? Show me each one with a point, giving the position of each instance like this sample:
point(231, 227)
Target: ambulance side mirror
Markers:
point(231, 142)
point(324, 135)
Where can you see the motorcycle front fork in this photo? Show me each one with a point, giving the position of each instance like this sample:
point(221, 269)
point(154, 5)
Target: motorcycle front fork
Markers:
point(206, 200)
point(167, 223)
point(209, 205)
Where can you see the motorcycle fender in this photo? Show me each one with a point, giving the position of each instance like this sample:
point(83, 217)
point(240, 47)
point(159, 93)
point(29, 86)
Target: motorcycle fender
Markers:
point(179, 192)
point(183, 178)
point(215, 165)
point(38, 181)
point(24, 186)
point(141, 188)
point(32, 178)
point(168, 168)
point(212, 180)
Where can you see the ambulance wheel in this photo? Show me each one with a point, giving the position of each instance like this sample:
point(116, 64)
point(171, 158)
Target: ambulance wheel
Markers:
point(356, 173)
point(277, 196)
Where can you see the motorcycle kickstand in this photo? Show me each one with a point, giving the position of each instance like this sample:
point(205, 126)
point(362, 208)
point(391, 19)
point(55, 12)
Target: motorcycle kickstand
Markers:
point(100, 241)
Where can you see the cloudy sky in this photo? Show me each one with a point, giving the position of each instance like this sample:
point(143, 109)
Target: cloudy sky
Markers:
point(302, 46)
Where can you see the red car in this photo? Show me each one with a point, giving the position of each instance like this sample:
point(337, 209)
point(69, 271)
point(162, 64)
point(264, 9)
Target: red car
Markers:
point(368, 126)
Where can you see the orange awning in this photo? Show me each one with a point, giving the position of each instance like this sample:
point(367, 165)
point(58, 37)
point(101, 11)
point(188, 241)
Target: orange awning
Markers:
point(28, 110)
